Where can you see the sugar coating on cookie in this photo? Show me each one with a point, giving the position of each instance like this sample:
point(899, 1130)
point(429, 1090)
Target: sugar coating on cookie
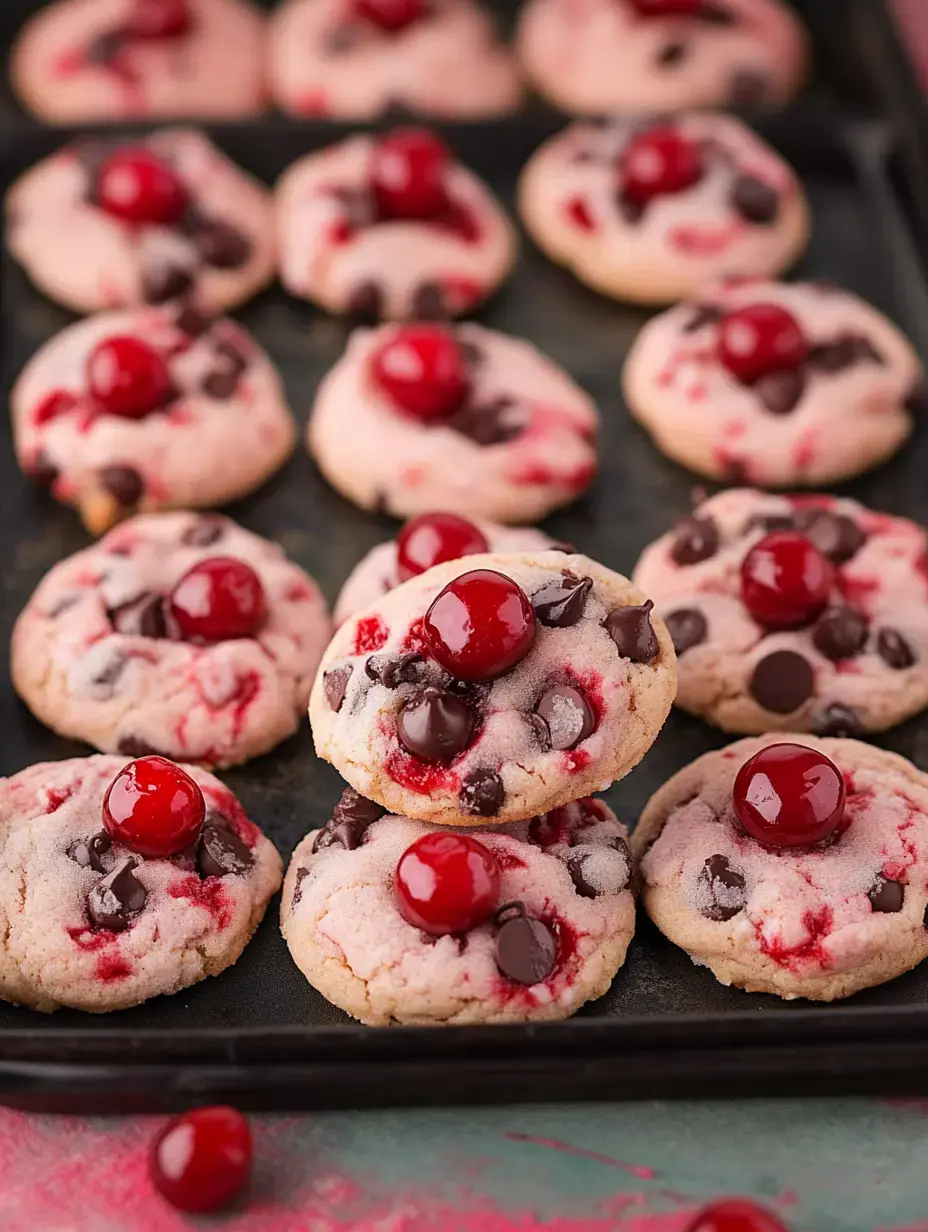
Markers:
point(774, 384)
point(98, 653)
point(435, 59)
point(205, 419)
point(109, 223)
point(857, 663)
point(579, 709)
point(622, 56)
point(651, 211)
point(818, 922)
point(89, 923)
point(513, 439)
point(105, 60)
point(565, 883)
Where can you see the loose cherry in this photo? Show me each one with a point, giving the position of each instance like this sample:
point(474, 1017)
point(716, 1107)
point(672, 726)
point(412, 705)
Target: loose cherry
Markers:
point(789, 795)
point(480, 625)
point(785, 580)
point(408, 169)
point(138, 187)
point(659, 162)
point(735, 1215)
point(422, 369)
point(201, 1161)
point(432, 538)
point(220, 598)
point(153, 807)
point(447, 883)
point(127, 377)
point(390, 15)
point(760, 339)
point(156, 19)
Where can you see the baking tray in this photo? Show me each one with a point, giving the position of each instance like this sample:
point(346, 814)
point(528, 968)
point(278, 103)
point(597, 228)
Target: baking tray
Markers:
point(258, 1035)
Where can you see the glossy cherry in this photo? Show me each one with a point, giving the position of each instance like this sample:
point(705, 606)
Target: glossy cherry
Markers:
point(220, 598)
point(760, 339)
point(789, 795)
point(735, 1215)
point(127, 377)
point(422, 369)
point(408, 169)
point(432, 538)
point(447, 883)
point(201, 1161)
point(156, 19)
point(786, 580)
point(390, 15)
point(480, 625)
point(659, 162)
point(153, 807)
point(135, 185)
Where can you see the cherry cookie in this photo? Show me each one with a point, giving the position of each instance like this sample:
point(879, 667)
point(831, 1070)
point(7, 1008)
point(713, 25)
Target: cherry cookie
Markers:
point(390, 227)
point(627, 56)
point(150, 409)
point(357, 60)
point(105, 224)
point(395, 921)
point(805, 613)
point(82, 61)
point(430, 416)
point(495, 687)
point(123, 882)
point(791, 865)
point(774, 384)
point(651, 211)
point(179, 634)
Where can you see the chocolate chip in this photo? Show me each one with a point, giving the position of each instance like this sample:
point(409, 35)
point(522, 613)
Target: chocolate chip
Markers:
point(192, 323)
point(42, 470)
point(754, 200)
point(887, 896)
point(341, 39)
point(526, 950)
point(567, 714)
point(220, 384)
point(105, 47)
point(161, 283)
point(831, 357)
point(769, 522)
point(89, 853)
point(716, 14)
point(220, 852)
point(435, 725)
point(349, 821)
point(579, 866)
point(838, 720)
point(358, 207)
point(63, 605)
point(836, 536)
point(428, 303)
point(695, 539)
point(124, 484)
point(204, 532)
point(840, 632)
point(471, 353)
point(335, 685)
point(366, 303)
point(560, 604)
point(749, 88)
point(720, 890)
point(671, 54)
point(114, 900)
point(779, 392)
point(135, 746)
point(493, 423)
point(392, 670)
point(631, 210)
point(782, 682)
point(687, 628)
point(482, 793)
point(222, 246)
point(104, 681)
point(703, 314)
point(142, 616)
point(894, 650)
point(631, 630)
point(301, 875)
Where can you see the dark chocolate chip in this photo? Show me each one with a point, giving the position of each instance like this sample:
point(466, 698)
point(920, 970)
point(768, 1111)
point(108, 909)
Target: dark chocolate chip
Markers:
point(161, 283)
point(220, 383)
point(114, 900)
point(104, 682)
point(749, 88)
point(220, 852)
point(472, 354)
point(695, 539)
point(349, 822)
point(567, 714)
point(335, 685)
point(840, 633)
point(89, 853)
point(703, 314)
point(631, 211)
point(493, 423)
point(721, 890)
point(831, 357)
point(63, 605)
point(714, 14)
point(124, 484)
point(887, 896)
point(482, 793)
point(671, 54)
point(204, 532)
point(105, 47)
point(754, 200)
point(142, 616)
point(836, 536)
point(838, 720)
point(358, 207)
point(392, 670)
point(894, 650)
point(435, 725)
point(301, 875)
point(337, 41)
point(779, 392)
point(687, 628)
point(428, 303)
point(577, 860)
point(769, 523)
point(42, 470)
point(192, 323)
point(782, 682)
point(560, 604)
point(135, 746)
point(631, 630)
point(222, 246)
point(366, 303)
point(526, 949)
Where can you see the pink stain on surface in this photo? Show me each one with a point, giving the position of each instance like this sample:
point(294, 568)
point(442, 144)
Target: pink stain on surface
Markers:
point(643, 1172)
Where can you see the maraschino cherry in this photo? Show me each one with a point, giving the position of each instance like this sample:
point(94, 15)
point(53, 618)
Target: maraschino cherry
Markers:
point(789, 795)
point(153, 807)
point(735, 1215)
point(659, 162)
point(760, 339)
point(480, 625)
point(218, 599)
point(432, 538)
point(201, 1161)
point(422, 370)
point(447, 883)
point(158, 19)
point(408, 169)
point(390, 15)
point(127, 377)
point(133, 184)
point(786, 580)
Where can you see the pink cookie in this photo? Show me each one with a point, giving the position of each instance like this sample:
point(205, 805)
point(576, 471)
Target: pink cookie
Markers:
point(816, 921)
point(628, 56)
point(118, 646)
point(90, 923)
point(103, 224)
point(829, 635)
point(390, 228)
point(651, 211)
point(81, 61)
point(421, 417)
point(774, 384)
point(357, 60)
point(149, 409)
point(563, 919)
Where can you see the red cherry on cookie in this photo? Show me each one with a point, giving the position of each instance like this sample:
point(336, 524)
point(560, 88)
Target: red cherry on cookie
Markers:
point(447, 883)
point(202, 1160)
point(408, 169)
point(432, 538)
point(127, 377)
point(154, 19)
point(659, 162)
point(422, 369)
point(135, 185)
point(218, 599)
point(153, 807)
point(761, 339)
point(785, 580)
point(480, 625)
point(390, 15)
point(789, 795)
point(735, 1215)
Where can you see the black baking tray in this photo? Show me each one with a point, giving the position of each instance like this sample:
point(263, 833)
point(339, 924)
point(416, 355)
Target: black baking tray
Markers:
point(258, 1035)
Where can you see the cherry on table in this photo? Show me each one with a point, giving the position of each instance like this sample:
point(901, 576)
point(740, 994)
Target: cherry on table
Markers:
point(219, 599)
point(760, 339)
point(154, 808)
point(390, 15)
point(156, 19)
point(423, 371)
point(127, 377)
point(133, 184)
point(202, 1160)
point(657, 162)
point(735, 1215)
point(481, 625)
point(432, 538)
point(785, 580)
point(447, 883)
point(789, 795)
point(408, 169)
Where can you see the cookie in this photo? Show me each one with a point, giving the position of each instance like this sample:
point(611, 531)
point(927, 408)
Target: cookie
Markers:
point(541, 915)
point(81, 61)
point(359, 61)
point(651, 211)
point(150, 408)
point(774, 384)
point(634, 56)
point(496, 688)
point(791, 865)
point(102, 906)
point(390, 227)
point(427, 416)
point(104, 224)
point(806, 613)
point(179, 634)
